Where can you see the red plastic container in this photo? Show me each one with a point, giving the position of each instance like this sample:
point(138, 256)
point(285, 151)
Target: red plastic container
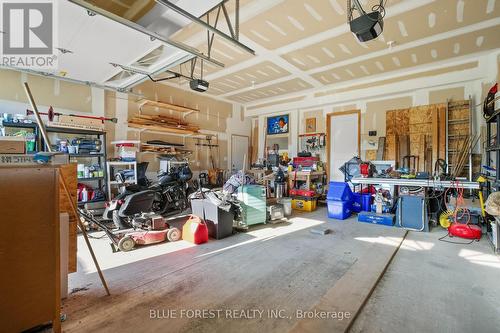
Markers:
point(195, 230)
point(468, 231)
point(302, 193)
point(304, 161)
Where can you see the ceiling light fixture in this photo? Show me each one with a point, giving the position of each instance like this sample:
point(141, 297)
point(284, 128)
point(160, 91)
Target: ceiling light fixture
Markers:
point(366, 26)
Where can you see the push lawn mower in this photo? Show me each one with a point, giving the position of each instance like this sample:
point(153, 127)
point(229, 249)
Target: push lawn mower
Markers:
point(147, 228)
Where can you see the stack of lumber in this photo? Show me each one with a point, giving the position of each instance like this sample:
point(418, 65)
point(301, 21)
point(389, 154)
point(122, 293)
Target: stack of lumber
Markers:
point(165, 150)
point(459, 160)
point(162, 123)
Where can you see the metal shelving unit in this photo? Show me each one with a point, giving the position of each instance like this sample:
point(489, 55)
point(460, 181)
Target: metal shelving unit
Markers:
point(101, 156)
point(492, 151)
point(112, 164)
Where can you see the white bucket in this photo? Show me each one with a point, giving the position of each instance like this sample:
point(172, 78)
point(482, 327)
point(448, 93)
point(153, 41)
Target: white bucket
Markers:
point(287, 205)
point(494, 233)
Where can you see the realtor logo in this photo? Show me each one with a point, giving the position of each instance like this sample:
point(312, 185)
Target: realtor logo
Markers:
point(28, 33)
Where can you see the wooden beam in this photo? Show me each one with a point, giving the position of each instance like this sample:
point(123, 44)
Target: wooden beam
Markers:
point(160, 128)
point(435, 137)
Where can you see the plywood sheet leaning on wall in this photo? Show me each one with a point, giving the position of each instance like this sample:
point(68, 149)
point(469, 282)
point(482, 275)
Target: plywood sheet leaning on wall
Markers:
point(371, 155)
point(397, 124)
point(68, 172)
point(255, 143)
point(420, 126)
point(411, 132)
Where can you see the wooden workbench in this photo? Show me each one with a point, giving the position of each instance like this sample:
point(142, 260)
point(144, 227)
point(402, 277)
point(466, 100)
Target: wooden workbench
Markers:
point(306, 176)
point(258, 173)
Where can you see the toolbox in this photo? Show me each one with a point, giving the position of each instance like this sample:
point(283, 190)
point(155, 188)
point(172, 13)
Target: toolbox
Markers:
point(304, 161)
point(302, 193)
point(253, 204)
point(370, 217)
point(306, 204)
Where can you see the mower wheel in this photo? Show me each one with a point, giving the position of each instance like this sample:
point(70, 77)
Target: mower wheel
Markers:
point(125, 244)
point(173, 234)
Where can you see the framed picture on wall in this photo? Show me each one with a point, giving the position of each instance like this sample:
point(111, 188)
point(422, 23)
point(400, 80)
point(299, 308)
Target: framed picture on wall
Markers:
point(277, 124)
point(310, 125)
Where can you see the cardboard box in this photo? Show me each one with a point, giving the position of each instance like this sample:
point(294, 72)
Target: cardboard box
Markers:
point(12, 145)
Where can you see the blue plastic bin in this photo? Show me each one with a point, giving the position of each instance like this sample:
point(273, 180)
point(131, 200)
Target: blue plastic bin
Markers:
point(339, 191)
point(361, 202)
point(383, 219)
point(339, 210)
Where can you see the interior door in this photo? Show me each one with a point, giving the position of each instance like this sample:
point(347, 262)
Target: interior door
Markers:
point(239, 151)
point(343, 141)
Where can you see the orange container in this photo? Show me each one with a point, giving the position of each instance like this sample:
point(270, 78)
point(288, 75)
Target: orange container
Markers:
point(195, 230)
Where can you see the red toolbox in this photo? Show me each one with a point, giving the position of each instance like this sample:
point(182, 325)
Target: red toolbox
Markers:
point(305, 161)
point(302, 193)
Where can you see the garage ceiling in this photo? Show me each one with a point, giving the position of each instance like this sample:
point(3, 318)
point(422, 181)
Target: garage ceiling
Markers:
point(300, 46)
point(306, 45)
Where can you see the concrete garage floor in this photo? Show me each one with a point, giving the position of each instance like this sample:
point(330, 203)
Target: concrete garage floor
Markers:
point(433, 286)
point(285, 268)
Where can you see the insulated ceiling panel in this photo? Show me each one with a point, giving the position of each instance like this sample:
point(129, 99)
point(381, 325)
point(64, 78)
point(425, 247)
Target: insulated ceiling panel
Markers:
point(477, 41)
point(339, 48)
point(257, 74)
point(435, 18)
point(272, 90)
point(434, 72)
point(292, 20)
point(438, 17)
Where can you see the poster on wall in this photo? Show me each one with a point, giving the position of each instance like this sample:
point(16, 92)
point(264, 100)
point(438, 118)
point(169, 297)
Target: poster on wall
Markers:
point(310, 125)
point(277, 125)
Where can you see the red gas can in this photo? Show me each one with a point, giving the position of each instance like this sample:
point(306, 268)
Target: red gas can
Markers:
point(195, 230)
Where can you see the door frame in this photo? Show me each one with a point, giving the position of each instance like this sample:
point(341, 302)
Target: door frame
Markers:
point(247, 153)
point(328, 135)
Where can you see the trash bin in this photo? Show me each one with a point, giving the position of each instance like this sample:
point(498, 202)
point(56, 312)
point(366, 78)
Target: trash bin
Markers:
point(287, 205)
point(218, 220)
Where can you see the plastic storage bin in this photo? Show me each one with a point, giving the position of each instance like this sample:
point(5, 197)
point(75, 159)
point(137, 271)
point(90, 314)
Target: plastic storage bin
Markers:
point(339, 210)
point(287, 205)
point(361, 202)
point(305, 204)
point(369, 217)
point(339, 191)
point(219, 221)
